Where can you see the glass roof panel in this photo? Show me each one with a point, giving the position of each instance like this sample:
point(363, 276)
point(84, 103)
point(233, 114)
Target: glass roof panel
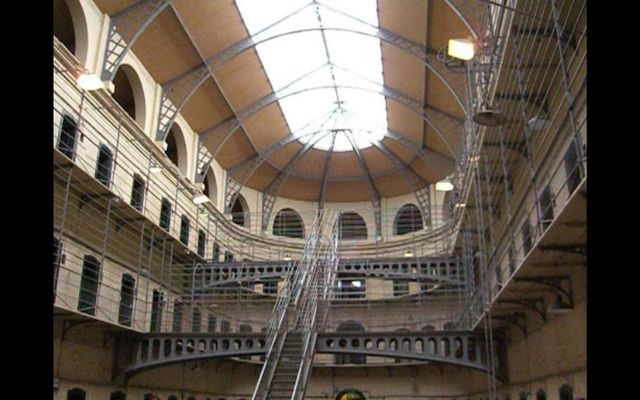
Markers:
point(308, 69)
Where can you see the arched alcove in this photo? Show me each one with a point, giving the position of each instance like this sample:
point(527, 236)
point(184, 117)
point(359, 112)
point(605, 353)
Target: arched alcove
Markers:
point(350, 326)
point(63, 27)
point(240, 212)
point(565, 392)
point(407, 220)
point(118, 395)
point(288, 223)
point(76, 394)
point(70, 27)
point(352, 226)
point(211, 186)
point(129, 93)
point(177, 148)
point(350, 394)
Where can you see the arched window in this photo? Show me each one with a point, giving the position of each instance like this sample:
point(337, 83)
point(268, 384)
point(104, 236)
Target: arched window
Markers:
point(523, 395)
point(408, 219)
point(151, 396)
point(288, 223)
point(104, 165)
point(541, 395)
point(177, 317)
point(127, 294)
point(352, 226)
point(63, 25)
point(350, 326)
point(76, 394)
point(68, 137)
point(129, 93)
point(566, 392)
point(157, 306)
point(191, 398)
point(118, 395)
point(89, 285)
point(196, 322)
point(172, 397)
point(240, 211)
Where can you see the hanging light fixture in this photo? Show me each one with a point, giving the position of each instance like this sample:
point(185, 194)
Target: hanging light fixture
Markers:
point(89, 81)
point(200, 199)
point(463, 49)
point(489, 117)
point(444, 185)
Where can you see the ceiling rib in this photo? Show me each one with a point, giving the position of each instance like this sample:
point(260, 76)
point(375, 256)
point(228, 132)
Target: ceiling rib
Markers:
point(224, 130)
point(184, 86)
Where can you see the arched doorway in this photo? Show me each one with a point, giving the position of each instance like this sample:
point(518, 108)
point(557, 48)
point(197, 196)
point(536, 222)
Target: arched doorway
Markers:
point(350, 326)
point(70, 27)
point(350, 394)
point(211, 187)
point(176, 149)
point(63, 25)
point(129, 93)
point(240, 212)
point(76, 394)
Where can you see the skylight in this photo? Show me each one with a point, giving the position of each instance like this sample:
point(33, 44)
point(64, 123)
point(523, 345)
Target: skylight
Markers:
point(328, 80)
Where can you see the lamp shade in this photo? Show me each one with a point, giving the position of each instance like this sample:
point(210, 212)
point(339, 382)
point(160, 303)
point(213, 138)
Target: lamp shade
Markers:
point(444, 186)
point(200, 199)
point(464, 49)
point(90, 82)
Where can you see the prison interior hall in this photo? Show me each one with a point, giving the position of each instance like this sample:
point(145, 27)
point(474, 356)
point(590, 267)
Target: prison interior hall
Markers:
point(319, 199)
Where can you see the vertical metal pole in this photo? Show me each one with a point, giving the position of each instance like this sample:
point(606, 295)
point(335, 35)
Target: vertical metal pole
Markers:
point(115, 155)
point(527, 130)
point(170, 293)
point(507, 193)
point(148, 274)
point(105, 239)
point(569, 98)
point(137, 284)
point(61, 231)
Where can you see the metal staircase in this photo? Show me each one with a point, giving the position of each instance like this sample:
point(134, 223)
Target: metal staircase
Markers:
point(299, 313)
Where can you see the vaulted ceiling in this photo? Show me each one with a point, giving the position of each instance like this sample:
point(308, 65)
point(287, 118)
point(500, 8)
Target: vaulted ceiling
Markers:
point(422, 97)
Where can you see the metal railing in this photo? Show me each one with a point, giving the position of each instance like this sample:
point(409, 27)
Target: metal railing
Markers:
point(318, 294)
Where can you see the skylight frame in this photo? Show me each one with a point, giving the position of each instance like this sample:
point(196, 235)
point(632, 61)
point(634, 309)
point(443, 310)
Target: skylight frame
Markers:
point(301, 53)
